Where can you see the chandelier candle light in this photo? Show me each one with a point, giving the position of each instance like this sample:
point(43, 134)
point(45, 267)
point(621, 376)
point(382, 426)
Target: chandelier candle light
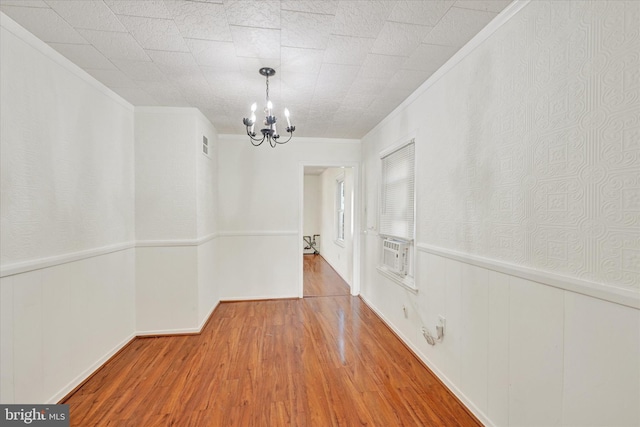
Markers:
point(269, 132)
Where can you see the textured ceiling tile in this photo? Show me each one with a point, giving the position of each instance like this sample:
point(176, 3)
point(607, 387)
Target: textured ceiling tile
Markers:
point(213, 53)
point(92, 15)
point(200, 20)
point(486, 5)
point(84, 55)
point(256, 42)
point(408, 80)
point(111, 78)
point(154, 33)
point(399, 39)
point(164, 94)
point(261, 14)
point(299, 83)
point(458, 26)
point(146, 8)
point(174, 63)
point(196, 90)
point(347, 50)
point(420, 12)
point(380, 66)
point(115, 45)
point(307, 30)
point(301, 61)
point(45, 24)
point(338, 74)
point(140, 70)
point(250, 67)
point(363, 91)
point(325, 7)
point(361, 19)
point(229, 85)
point(429, 57)
point(135, 96)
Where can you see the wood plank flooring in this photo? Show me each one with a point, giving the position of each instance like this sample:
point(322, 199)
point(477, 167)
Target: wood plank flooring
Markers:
point(326, 361)
point(320, 279)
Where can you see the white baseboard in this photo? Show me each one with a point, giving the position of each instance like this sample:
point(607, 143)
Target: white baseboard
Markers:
point(206, 318)
point(258, 297)
point(88, 372)
point(450, 385)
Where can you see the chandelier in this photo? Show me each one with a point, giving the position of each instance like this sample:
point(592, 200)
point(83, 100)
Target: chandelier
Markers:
point(269, 132)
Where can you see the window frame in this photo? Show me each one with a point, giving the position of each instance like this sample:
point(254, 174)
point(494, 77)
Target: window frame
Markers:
point(339, 210)
point(407, 281)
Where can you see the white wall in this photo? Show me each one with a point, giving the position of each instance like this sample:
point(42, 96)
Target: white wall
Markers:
point(527, 163)
point(312, 206)
point(175, 220)
point(207, 219)
point(338, 254)
point(67, 221)
point(74, 288)
point(260, 211)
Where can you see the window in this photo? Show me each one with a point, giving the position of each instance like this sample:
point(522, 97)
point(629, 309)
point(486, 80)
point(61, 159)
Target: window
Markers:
point(397, 201)
point(397, 213)
point(340, 209)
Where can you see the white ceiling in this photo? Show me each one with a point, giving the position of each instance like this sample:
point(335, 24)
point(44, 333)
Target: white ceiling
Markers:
point(341, 66)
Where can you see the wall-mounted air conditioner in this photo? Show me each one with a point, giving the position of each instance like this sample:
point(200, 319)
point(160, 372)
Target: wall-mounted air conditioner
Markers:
point(395, 256)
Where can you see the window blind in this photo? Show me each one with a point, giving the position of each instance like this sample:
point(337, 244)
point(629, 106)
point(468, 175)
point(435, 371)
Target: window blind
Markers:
point(397, 204)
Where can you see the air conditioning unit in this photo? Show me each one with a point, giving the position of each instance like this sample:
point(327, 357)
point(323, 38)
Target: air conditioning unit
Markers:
point(395, 256)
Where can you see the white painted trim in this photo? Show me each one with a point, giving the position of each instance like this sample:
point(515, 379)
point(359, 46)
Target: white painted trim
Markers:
point(258, 297)
point(37, 264)
point(503, 17)
point(167, 332)
point(597, 290)
point(295, 140)
point(206, 318)
point(40, 263)
point(17, 30)
point(450, 385)
point(96, 365)
point(258, 233)
point(88, 372)
point(176, 242)
point(170, 110)
point(407, 282)
point(336, 270)
point(357, 200)
point(401, 143)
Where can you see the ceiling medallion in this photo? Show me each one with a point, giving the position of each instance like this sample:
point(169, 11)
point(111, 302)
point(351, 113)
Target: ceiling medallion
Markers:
point(269, 132)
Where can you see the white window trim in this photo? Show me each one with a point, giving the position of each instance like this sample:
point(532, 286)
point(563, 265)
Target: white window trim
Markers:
point(407, 281)
point(337, 240)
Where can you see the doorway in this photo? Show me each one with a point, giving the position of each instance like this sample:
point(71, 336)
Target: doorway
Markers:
point(330, 265)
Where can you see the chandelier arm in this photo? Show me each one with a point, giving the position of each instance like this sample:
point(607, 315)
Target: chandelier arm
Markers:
point(290, 130)
point(258, 140)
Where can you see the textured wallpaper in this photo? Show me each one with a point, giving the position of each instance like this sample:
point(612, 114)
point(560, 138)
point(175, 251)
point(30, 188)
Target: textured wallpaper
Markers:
point(166, 173)
point(66, 159)
point(207, 179)
point(529, 150)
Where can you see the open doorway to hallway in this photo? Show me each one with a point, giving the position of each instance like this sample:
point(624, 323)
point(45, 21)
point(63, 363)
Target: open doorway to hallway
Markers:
point(328, 230)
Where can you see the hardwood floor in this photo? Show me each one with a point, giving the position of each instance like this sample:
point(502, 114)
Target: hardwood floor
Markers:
point(320, 279)
point(327, 361)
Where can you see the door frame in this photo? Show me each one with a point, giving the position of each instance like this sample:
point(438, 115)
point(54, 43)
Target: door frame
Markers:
point(355, 285)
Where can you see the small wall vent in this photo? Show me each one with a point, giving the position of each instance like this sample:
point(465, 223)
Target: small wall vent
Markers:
point(205, 146)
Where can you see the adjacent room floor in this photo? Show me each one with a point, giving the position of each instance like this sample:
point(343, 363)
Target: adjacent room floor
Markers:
point(321, 361)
